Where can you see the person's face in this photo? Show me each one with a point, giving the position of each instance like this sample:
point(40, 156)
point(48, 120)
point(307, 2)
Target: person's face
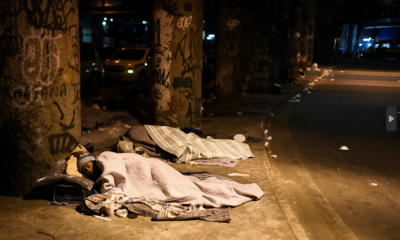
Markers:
point(87, 169)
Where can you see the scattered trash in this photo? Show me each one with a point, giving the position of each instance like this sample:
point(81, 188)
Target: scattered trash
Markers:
point(341, 71)
point(326, 73)
point(276, 89)
point(330, 70)
point(274, 156)
point(122, 213)
point(266, 144)
point(319, 78)
point(332, 79)
point(272, 114)
point(298, 96)
point(238, 175)
point(316, 80)
point(265, 131)
point(344, 148)
point(398, 80)
point(297, 100)
point(103, 218)
point(239, 138)
point(211, 114)
point(308, 92)
point(308, 69)
point(239, 113)
point(269, 138)
point(302, 74)
point(374, 184)
point(305, 89)
point(110, 207)
point(290, 100)
point(315, 67)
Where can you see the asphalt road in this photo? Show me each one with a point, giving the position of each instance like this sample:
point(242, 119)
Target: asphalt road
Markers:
point(339, 194)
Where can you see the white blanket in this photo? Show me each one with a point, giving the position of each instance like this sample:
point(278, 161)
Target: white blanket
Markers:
point(150, 178)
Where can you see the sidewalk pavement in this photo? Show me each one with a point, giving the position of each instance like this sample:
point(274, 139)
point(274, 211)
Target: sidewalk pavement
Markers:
point(268, 218)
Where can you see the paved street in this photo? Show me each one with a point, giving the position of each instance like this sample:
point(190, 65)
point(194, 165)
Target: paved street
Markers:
point(334, 193)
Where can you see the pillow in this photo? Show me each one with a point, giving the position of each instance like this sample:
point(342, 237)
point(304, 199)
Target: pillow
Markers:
point(72, 164)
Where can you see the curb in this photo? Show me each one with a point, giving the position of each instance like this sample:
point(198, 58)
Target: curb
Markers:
point(291, 218)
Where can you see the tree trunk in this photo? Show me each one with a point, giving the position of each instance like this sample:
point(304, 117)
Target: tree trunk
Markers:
point(40, 117)
point(177, 62)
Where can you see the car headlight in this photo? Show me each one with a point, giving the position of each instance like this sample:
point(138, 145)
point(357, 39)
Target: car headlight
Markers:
point(130, 71)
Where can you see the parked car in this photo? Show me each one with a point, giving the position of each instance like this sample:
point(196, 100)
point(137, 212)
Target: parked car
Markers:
point(91, 67)
point(128, 66)
point(384, 49)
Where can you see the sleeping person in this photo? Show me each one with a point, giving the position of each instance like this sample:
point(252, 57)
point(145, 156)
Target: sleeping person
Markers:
point(88, 167)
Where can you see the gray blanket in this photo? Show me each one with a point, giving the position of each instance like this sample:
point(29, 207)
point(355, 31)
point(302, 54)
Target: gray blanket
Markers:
point(149, 178)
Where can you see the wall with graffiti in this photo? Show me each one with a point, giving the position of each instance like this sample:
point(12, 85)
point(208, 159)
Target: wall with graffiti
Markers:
point(40, 83)
point(177, 62)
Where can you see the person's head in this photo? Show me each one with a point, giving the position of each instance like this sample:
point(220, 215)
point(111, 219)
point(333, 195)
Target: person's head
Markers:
point(86, 165)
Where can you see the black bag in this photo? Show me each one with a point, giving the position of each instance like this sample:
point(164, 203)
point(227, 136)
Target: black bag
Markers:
point(68, 193)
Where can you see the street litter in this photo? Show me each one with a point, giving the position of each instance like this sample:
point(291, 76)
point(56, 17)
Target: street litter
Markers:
point(319, 78)
point(103, 218)
point(308, 69)
point(239, 113)
point(332, 79)
point(398, 80)
point(302, 74)
point(305, 89)
point(316, 80)
point(341, 71)
point(290, 100)
point(274, 156)
point(298, 96)
point(308, 92)
point(238, 175)
point(266, 144)
point(239, 138)
point(269, 138)
point(297, 100)
point(330, 70)
point(211, 114)
point(265, 131)
point(344, 148)
point(374, 184)
point(272, 114)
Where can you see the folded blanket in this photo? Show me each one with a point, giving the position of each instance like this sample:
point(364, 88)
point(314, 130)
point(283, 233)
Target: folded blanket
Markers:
point(149, 178)
point(140, 138)
point(189, 146)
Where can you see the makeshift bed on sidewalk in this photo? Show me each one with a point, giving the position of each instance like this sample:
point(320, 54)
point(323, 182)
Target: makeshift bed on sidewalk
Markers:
point(150, 187)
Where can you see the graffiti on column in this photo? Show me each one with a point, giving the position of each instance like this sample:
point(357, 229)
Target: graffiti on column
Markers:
point(162, 24)
point(232, 23)
point(45, 81)
point(62, 142)
point(184, 22)
point(189, 54)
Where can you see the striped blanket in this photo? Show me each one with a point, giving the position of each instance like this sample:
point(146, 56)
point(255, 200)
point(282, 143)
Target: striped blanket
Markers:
point(188, 147)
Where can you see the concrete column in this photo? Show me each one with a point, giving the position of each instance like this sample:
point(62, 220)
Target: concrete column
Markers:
point(306, 19)
point(312, 6)
point(284, 38)
point(177, 61)
point(40, 117)
point(264, 65)
point(232, 51)
point(297, 18)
